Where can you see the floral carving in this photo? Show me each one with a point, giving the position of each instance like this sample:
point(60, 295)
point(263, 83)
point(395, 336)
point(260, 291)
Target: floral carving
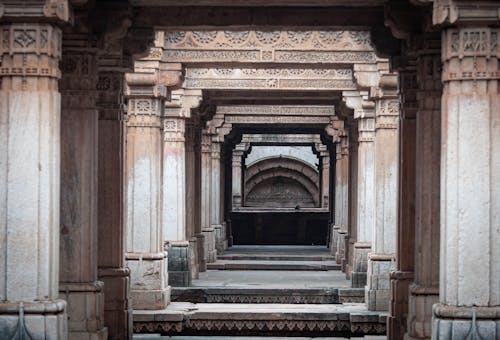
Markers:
point(268, 38)
point(236, 37)
point(299, 37)
point(143, 106)
point(174, 37)
point(204, 37)
point(331, 37)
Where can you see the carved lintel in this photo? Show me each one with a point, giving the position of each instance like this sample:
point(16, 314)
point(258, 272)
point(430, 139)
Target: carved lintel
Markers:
point(465, 11)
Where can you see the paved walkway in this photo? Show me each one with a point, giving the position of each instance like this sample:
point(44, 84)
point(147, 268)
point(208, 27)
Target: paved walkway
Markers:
point(158, 337)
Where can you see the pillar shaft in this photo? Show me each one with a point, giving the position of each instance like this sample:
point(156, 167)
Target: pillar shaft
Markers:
point(215, 198)
point(191, 207)
point(381, 260)
point(79, 156)
point(174, 179)
point(402, 277)
point(110, 198)
point(206, 185)
point(30, 177)
point(352, 200)
point(366, 198)
point(237, 179)
point(470, 186)
point(143, 165)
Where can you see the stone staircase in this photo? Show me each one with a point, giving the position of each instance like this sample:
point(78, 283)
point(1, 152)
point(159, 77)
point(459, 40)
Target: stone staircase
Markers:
point(266, 291)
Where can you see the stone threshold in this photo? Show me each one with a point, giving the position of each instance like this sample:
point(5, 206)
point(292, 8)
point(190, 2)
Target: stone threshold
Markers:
point(261, 320)
point(269, 257)
point(268, 295)
point(273, 265)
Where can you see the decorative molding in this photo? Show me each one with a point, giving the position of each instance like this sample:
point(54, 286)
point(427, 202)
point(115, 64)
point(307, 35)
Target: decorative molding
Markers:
point(278, 110)
point(270, 78)
point(174, 129)
point(325, 46)
point(467, 53)
point(277, 120)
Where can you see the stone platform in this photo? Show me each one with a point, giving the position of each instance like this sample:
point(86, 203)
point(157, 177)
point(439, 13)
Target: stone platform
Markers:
point(267, 295)
point(261, 320)
point(272, 265)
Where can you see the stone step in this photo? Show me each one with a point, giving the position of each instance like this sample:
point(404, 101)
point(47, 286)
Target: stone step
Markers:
point(159, 337)
point(217, 319)
point(273, 265)
point(277, 257)
point(267, 295)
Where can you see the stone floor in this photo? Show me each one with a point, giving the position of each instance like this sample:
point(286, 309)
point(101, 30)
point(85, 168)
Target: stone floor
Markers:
point(232, 304)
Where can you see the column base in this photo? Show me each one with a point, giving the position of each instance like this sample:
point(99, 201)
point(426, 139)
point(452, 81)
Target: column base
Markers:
point(210, 251)
point(420, 305)
point(344, 262)
point(85, 308)
point(202, 257)
point(179, 263)
point(33, 320)
point(378, 288)
point(117, 306)
point(193, 252)
point(334, 242)
point(339, 256)
point(453, 322)
point(398, 309)
point(360, 264)
point(148, 278)
point(220, 238)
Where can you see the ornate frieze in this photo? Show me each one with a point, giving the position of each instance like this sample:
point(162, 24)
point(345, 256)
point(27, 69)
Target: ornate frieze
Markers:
point(322, 46)
point(270, 78)
point(278, 110)
point(277, 120)
point(174, 129)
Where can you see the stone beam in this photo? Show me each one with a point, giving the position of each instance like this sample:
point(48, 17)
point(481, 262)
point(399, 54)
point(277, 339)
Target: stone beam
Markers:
point(293, 78)
point(317, 47)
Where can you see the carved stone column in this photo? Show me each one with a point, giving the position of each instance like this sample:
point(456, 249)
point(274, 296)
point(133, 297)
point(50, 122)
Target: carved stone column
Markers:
point(191, 208)
point(353, 197)
point(215, 199)
point(381, 261)
point(324, 155)
point(237, 175)
point(344, 186)
point(144, 250)
point(174, 199)
point(366, 197)
point(403, 276)
point(29, 173)
point(424, 292)
point(341, 196)
point(469, 282)
point(206, 195)
point(78, 244)
point(111, 228)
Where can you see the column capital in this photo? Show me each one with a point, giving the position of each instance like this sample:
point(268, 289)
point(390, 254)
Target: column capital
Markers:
point(463, 11)
point(470, 53)
point(366, 130)
point(54, 11)
point(174, 129)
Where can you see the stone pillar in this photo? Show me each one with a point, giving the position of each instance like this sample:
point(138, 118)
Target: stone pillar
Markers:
point(324, 155)
point(403, 276)
point(78, 243)
point(174, 199)
point(344, 187)
point(469, 285)
point(191, 223)
point(341, 196)
point(30, 177)
point(353, 199)
point(424, 292)
point(381, 261)
point(366, 197)
point(110, 198)
point(215, 199)
point(144, 249)
point(206, 192)
point(237, 175)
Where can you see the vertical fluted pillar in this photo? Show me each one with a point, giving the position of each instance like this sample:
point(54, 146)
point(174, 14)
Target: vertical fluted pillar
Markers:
point(469, 285)
point(206, 196)
point(366, 197)
point(30, 177)
point(215, 199)
point(353, 198)
point(143, 167)
point(402, 277)
point(191, 223)
point(381, 261)
point(424, 292)
point(78, 244)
